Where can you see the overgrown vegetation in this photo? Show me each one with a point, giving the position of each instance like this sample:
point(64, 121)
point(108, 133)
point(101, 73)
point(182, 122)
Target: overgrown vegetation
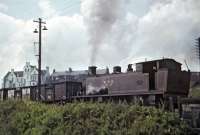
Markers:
point(31, 118)
point(195, 91)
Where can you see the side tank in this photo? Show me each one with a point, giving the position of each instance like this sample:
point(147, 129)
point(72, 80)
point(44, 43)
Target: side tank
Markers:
point(123, 83)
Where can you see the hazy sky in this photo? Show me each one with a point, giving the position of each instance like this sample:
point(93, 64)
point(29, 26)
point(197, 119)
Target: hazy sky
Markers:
point(114, 32)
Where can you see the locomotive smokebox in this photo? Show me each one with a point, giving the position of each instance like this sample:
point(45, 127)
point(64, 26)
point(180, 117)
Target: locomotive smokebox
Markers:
point(116, 69)
point(92, 70)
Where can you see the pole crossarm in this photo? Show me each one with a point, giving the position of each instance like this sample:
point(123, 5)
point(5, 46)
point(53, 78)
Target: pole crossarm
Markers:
point(39, 21)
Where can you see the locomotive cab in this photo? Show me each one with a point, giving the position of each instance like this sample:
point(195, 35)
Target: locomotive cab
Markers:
point(165, 75)
point(152, 67)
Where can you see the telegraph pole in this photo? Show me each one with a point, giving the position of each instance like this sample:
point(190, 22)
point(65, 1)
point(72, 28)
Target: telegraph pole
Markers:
point(198, 44)
point(40, 22)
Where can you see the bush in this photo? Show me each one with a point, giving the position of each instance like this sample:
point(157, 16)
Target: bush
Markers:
point(32, 118)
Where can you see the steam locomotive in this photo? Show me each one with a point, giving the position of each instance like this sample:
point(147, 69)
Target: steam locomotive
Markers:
point(151, 83)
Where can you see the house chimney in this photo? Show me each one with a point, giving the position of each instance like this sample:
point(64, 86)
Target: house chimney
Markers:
point(27, 63)
point(70, 69)
point(92, 70)
point(107, 70)
point(47, 68)
point(54, 70)
point(12, 70)
point(116, 69)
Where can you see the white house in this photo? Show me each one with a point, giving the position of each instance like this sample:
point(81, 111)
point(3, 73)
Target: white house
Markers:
point(27, 77)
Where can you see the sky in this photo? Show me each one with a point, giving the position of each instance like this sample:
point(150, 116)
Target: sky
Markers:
point(98, 32)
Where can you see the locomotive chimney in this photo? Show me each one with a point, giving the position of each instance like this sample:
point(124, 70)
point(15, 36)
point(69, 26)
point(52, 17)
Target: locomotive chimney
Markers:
point(129, 69)
point(116, 69)
point(92, 70)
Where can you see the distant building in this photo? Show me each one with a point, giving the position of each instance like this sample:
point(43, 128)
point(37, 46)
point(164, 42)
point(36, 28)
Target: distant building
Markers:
point(27, 77)
point(70, 75)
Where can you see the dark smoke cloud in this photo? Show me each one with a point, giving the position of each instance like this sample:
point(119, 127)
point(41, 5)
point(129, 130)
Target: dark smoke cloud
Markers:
point(99, 17)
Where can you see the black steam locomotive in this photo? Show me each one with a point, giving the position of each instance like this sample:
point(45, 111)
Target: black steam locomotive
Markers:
point(152, 83)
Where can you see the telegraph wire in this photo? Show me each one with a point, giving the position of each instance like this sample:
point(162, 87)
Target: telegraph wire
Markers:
point(70, 6)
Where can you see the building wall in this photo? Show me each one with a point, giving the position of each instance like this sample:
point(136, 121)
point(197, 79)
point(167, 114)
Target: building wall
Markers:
point(30, 75)
point(29, 78)
point(10, 80)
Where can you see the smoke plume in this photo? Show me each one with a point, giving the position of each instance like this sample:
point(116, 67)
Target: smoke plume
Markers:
point(99, 17)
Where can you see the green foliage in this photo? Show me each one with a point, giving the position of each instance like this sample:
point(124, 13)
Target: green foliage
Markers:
point(195, 91)
point(32, 118)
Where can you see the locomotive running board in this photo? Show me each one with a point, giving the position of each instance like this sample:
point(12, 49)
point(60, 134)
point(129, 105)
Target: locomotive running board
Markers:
point(153, 92)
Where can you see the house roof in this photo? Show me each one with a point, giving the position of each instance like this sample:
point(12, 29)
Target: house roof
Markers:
point(32, 66)
point(19, 73)
point(7, 74)
point(64, 73)
point(43, 72)
point(77, 72)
